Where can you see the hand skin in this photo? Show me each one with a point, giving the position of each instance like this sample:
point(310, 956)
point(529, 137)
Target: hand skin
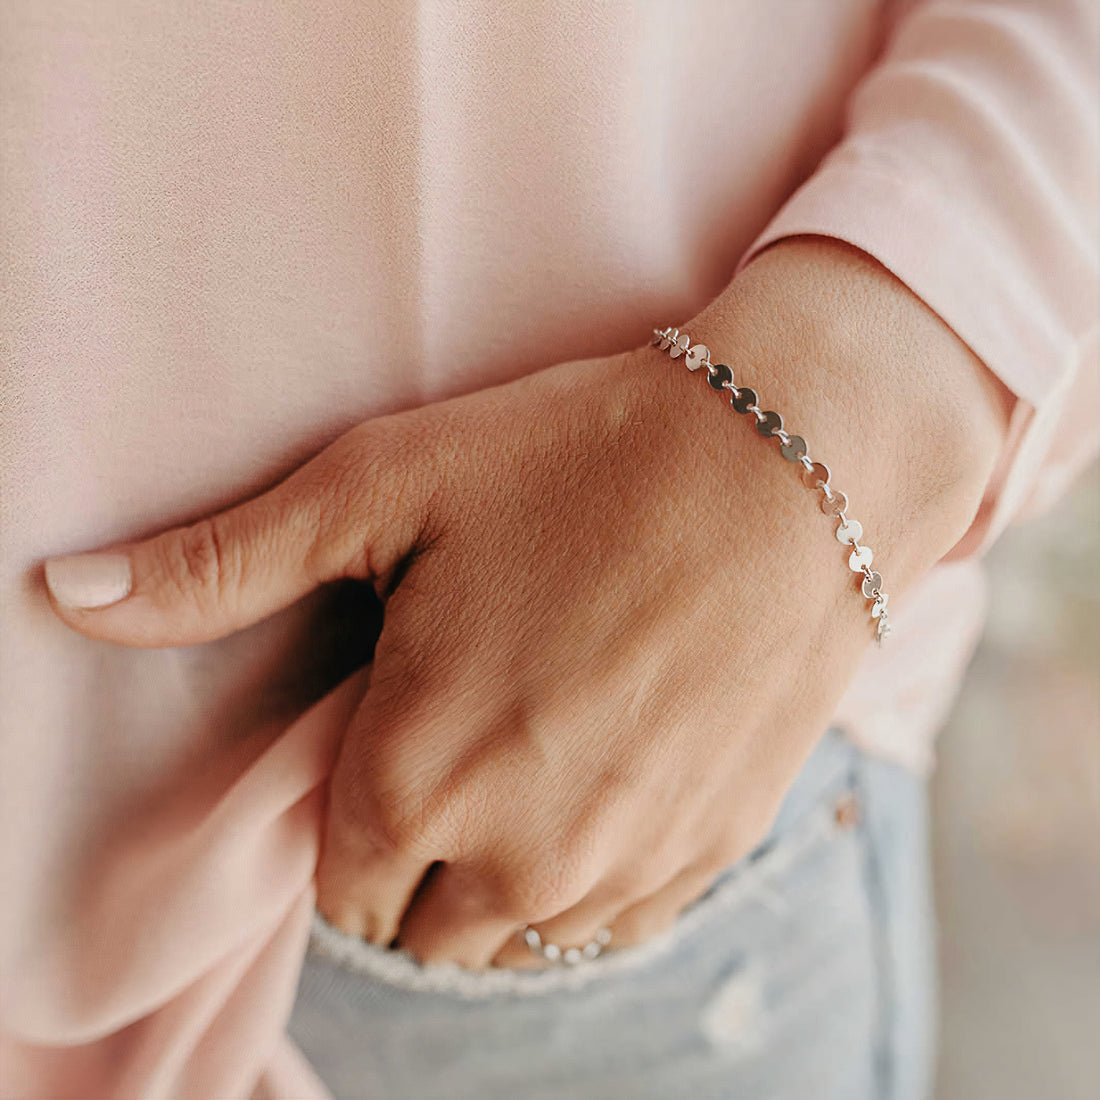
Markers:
point(616, 622)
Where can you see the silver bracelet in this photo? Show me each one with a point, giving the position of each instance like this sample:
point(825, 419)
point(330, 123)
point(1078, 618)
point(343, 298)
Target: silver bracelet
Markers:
point(815, 475)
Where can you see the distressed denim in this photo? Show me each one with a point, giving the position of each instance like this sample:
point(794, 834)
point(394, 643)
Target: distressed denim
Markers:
point(804, 973)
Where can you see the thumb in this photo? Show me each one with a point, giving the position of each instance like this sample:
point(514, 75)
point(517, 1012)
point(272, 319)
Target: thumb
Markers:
point(353, 511)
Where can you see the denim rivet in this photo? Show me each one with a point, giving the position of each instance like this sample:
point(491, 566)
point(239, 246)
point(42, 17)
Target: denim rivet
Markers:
point(846, 812)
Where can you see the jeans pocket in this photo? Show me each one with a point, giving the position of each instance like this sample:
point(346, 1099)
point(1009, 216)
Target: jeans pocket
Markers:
point(808, 818)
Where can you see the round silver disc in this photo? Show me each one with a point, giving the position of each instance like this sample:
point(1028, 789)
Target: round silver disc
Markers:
point(794, 450)
point(834, 505)
point(771, 423)
point(679, 347)
point(720, 376)
point(857, 559)
point(816, 476)
point(849, 531)
point(871, 583)
point(696, 356)
point(743, 399)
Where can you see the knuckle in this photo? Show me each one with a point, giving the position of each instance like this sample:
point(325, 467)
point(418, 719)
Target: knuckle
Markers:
point(197, 563)
point(397, 786)
point(371, 821)
point(640, 881)
point(525, 898)
point(537, 892)
point(338, 545)
point(368, 495)
point(396, 829)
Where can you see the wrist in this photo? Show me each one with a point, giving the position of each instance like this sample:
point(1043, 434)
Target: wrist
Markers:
point(910, 422)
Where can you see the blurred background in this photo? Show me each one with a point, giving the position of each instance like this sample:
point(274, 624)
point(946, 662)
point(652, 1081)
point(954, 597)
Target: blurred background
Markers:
point(1016, 822)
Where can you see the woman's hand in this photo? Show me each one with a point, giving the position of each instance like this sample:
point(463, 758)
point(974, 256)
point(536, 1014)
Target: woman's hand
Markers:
point(615, 621)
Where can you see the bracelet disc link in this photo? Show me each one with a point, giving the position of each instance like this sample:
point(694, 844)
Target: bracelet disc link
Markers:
point(697, 356)
point(771, 423)
point(850, 530)
point(817, 476)
point(744, 400)
point(720, 375)
point(814, 475)
point(872, 582)
point(794, 448)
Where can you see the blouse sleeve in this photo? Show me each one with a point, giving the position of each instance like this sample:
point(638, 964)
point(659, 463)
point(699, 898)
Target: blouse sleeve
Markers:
point(968, 168)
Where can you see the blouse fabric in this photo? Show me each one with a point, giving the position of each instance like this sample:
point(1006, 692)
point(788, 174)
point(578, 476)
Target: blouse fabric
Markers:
point(231, 231)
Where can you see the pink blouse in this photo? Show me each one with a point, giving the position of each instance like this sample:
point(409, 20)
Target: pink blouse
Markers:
point(232, 230)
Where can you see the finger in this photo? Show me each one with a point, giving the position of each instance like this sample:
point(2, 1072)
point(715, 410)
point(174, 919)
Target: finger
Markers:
point(386, 823)
point(652, 915)
point(567, 935)
point(364, 888)
point(353, 511)
point(458, 917)
point(629, 922)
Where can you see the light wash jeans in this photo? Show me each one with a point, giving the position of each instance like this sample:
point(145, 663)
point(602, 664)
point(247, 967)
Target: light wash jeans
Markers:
point(804, 973)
